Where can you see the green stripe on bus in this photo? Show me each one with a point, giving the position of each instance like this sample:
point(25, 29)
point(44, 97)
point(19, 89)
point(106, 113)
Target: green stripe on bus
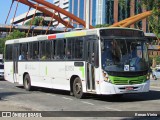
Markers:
point(82, 70)
point(46, 70)
point(128, 80)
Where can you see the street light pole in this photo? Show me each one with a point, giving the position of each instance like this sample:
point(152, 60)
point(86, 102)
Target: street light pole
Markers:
point(87, 13)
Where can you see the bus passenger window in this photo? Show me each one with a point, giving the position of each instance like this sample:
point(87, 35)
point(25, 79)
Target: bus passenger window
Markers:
point(23, 51)
point(69, 51)
point(34, 51)
point(9, 52)
point(45, 53)
point(79, 48)
point(59, 49)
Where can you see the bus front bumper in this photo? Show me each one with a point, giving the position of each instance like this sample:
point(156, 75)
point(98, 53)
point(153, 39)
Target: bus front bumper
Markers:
point(108, 88)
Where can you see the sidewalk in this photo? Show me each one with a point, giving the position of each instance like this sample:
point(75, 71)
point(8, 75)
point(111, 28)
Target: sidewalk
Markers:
point(155, 83)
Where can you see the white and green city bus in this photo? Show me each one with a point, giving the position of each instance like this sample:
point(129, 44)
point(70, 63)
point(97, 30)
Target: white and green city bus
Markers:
point(106, 61)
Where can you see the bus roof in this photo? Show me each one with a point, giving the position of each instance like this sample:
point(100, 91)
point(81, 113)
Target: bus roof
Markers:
point(64, 35)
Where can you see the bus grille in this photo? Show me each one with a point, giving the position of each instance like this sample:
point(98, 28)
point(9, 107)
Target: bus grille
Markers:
point(128, 82)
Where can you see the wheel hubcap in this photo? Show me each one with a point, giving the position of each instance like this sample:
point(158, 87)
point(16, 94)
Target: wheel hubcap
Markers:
point(78, 88)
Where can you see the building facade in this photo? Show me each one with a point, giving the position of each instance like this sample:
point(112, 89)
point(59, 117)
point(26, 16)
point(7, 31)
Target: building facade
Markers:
point(111, 12)
point(62, 4)
point(78, 8)
point(104, 11)
point(101, 12)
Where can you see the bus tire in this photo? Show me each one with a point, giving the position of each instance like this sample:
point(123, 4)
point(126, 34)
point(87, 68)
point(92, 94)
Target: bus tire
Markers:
point(77, 88)
point(27, 82)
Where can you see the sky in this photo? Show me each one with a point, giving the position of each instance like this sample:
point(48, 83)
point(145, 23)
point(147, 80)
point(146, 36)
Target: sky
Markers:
point(5, 6)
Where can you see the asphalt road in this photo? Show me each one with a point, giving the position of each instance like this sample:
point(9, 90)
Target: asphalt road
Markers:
point(15, 98)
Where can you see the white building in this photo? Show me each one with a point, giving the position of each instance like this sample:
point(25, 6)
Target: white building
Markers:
point(19, 19)
point(100, 11)
point(64, 4)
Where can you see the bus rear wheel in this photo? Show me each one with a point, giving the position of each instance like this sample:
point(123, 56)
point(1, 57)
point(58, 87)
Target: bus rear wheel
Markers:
point(77, 88)
point(27, 82)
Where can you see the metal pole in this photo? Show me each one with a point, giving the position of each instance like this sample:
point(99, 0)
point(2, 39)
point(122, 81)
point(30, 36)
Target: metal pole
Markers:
point(87, 13)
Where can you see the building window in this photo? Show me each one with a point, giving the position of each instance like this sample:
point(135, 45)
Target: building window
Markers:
point(65, 3)
point(110, 11)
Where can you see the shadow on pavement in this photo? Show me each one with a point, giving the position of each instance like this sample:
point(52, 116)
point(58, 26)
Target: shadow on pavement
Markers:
point(47, 90)
point(151, 95)
point(3, 95)
point(2, 80)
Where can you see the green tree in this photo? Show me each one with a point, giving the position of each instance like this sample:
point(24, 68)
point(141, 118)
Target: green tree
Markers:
point(154, 20)
point(37, 21)
point(13, 35)
point(103, 25)
point(2, 44)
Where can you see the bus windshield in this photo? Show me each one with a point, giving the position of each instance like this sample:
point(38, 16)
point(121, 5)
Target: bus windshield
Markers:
point(121, 55)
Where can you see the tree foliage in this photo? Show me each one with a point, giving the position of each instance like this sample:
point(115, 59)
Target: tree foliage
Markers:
point(2, 44)
point(13, 35)
point(37, 21)
point(103, 25)
point(154, 20)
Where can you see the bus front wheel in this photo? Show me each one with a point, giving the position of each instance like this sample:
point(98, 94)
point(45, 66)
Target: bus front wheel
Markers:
point(27, 82)
point(77, 88)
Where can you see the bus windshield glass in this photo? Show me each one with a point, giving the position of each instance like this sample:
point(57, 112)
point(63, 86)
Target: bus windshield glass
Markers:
point(121, 55)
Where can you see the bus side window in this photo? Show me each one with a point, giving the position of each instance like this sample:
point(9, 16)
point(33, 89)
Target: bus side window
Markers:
point(9, 52)
point(53, 49)
point(74, 49)
point(23, 51)
point(60, 49)
point(42, 50)
point(48, 50)
point(45, 47)
point(34, 51)
point(79, 46)
point(68, 50)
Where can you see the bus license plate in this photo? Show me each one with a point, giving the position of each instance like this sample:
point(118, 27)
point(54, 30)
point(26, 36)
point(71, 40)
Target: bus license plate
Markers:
point(129, 88)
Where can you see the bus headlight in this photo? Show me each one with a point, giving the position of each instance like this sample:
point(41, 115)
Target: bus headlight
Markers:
point(105, 76)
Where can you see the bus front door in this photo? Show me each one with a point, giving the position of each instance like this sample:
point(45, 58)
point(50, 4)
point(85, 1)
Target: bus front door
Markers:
point(90, 66)
point(15, 63)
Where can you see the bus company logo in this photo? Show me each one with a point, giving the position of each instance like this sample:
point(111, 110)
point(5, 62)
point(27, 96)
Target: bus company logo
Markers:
point(6, 114)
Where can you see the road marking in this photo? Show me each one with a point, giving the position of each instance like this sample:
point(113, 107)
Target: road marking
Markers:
point(87, 103)
point(67, 98)
point(113, 109)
